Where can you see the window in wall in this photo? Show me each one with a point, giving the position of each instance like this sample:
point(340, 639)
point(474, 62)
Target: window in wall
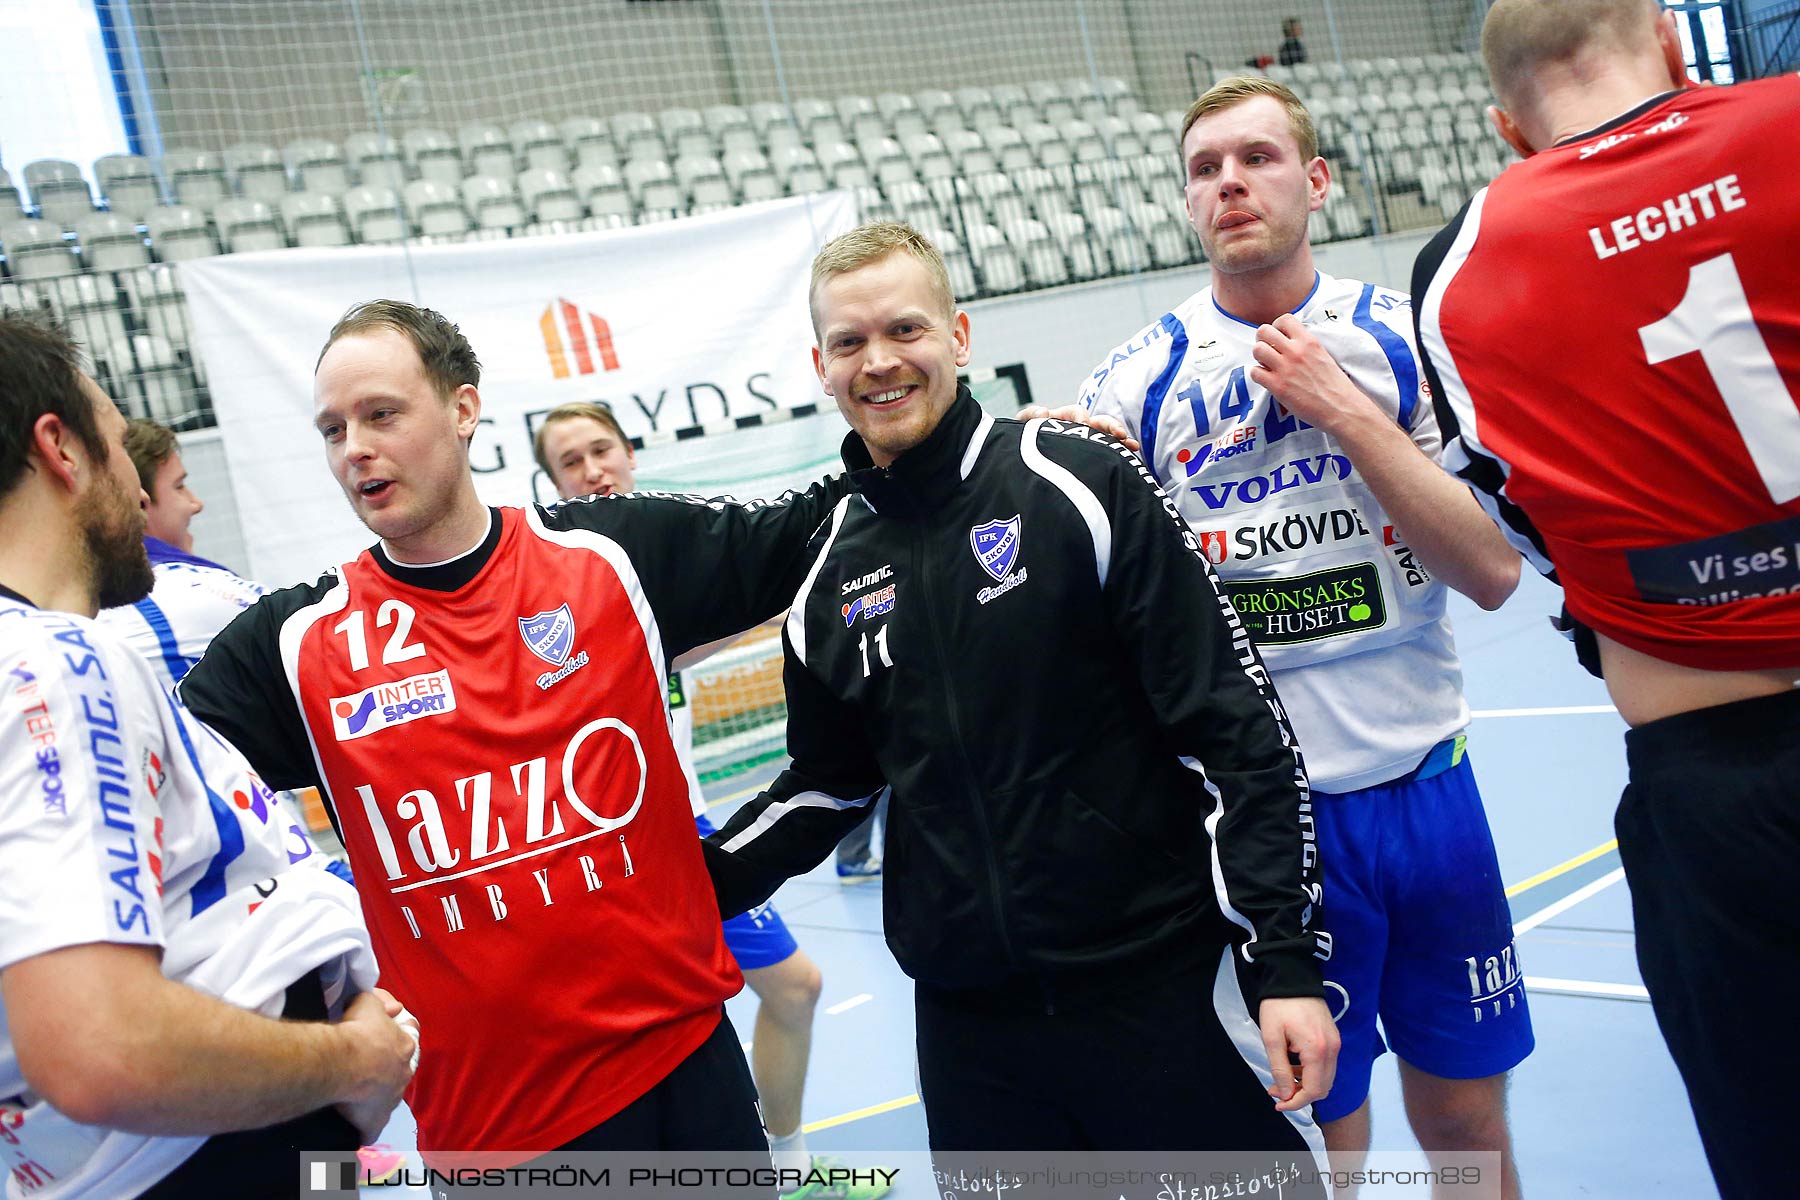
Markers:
point(1711, 59)
point(56, 92)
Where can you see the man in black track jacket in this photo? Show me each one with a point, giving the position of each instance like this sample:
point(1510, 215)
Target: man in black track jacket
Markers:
point(1097, 923)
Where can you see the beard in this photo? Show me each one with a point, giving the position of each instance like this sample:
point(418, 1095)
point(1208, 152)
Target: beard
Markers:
point(112, 536)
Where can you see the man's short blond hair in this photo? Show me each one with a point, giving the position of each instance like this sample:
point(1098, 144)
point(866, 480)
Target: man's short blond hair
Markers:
point(1521, 37)
point(1228, 93)
point(871, 243)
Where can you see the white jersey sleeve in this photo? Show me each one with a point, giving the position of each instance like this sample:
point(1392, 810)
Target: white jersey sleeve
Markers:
point(1123, 385)
point(173, 625)
point(124, 820)
point(79, 825)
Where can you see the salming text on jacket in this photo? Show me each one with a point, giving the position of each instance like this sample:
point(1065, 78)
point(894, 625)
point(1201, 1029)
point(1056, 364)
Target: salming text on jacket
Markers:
point(1012, 629)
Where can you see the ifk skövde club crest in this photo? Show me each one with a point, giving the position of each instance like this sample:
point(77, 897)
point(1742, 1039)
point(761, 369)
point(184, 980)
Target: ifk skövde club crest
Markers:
point(549, 635)
point(996, 546)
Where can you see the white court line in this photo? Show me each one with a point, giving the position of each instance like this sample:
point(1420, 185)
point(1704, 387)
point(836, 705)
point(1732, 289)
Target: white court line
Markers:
point(1572, 710)
point(844, 1006)
point(1569, 901)
point(1586, 987)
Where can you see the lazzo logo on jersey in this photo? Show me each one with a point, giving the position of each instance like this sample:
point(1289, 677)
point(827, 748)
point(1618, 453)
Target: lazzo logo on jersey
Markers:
point(443, 830)
point(389, 704)
point(869, 604)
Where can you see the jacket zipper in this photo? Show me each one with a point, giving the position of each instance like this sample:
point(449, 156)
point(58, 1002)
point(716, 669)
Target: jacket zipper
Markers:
point(995, 891)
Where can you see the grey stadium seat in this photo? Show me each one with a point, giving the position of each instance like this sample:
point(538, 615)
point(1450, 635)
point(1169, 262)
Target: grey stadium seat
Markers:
point(179, 232)
point(58, 191)
point(373, 214)
point(111, 242)
point(314, 219)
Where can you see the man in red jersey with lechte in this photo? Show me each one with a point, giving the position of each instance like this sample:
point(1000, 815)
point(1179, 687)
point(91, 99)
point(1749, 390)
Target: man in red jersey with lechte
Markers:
point(480, 697)
point(1612, 330)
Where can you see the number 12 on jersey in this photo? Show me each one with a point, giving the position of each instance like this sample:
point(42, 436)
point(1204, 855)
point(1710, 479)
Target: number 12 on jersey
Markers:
point(397, 650)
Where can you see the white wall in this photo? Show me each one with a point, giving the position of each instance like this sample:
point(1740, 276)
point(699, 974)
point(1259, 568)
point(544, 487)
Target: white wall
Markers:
point(217, 534)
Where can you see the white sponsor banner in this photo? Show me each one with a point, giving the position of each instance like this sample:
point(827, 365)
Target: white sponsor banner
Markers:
point(676, 324)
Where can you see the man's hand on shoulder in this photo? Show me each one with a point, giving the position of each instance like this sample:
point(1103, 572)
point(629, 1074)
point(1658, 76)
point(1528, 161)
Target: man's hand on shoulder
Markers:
point(1074, 414)
point(1302, 1026)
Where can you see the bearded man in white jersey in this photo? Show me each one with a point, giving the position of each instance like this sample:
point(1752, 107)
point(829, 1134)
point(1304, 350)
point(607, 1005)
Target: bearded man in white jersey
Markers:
point(1284, 412)
point(161, 912)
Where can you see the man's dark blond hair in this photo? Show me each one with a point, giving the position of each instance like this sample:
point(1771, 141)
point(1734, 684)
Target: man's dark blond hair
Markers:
point(1520, 37)
point(871, 243)
point(1228, 93)
point(448, 358)
point(150, 445)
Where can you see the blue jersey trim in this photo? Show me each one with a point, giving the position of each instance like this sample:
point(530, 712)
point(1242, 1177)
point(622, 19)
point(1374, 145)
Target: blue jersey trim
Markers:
point(209, 889)
point(1399, 354)
point(1231, 316)
point(1159, 389)
point(158, 621)
point(161, 552)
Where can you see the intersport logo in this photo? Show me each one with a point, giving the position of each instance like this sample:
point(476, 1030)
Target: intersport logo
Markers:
point(389, 704)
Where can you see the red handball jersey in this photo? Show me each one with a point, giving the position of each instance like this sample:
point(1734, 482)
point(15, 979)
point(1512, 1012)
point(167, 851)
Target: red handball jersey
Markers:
point(493, 739)
point(1612, 334)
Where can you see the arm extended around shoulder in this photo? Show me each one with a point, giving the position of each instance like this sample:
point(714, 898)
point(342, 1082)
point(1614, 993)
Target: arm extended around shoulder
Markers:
point(240, 689)
point(712, 568)
point(1219, 712)
point(794, 824)
point(107, 1040)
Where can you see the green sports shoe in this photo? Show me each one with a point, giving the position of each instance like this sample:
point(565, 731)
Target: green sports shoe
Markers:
point(831, 1179)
